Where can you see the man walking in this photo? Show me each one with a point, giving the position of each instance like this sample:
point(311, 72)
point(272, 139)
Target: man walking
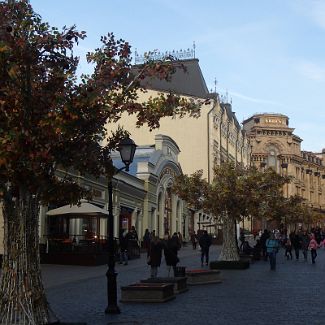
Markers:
point(205, 243)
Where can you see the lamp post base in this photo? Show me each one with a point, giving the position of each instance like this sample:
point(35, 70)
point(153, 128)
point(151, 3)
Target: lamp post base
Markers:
point(112, 310)
point(112, 307)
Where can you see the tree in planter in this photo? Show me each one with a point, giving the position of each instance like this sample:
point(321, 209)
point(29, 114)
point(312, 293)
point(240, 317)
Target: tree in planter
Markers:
point(234, 193)
point(49, 119)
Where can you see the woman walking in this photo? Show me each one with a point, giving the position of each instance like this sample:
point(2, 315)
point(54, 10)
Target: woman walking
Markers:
point(170, 250)
point(154, 256)
point(288, 249)
point(313, 247)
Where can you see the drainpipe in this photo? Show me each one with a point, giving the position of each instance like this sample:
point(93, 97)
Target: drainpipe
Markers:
point(208, 127)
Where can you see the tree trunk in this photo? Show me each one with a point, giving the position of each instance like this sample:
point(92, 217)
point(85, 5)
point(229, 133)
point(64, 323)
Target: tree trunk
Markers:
point(22, 296)
point(229, 250)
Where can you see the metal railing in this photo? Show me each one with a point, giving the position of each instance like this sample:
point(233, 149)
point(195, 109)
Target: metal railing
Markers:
point(79, 244)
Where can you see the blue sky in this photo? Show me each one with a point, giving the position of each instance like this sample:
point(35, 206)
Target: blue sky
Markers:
point(269, 56)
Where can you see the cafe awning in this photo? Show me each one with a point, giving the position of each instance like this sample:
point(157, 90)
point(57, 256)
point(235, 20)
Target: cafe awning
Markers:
point(85, 208)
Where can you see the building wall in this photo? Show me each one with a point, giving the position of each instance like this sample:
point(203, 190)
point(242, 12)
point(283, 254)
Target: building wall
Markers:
point(275, 145)
point(213, 138)
point(203, 141)
point(190, 134)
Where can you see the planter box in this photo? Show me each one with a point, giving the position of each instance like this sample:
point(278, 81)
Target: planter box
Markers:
point(202, 276)
point(180, 284)
point(147, 292)
point(229, 265)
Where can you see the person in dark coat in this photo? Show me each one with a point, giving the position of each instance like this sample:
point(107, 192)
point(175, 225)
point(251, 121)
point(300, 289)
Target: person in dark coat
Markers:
point(205, 243)
point(124, 242)
point(263, 239)
point(296, 243)
point(257, 250)
point(194, 240)
point(304, 244)
point(133, 234)
point(146, 239)
point(170, 251)
point(154, 255)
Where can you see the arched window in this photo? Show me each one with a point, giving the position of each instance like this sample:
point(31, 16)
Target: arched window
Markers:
point(272, 158)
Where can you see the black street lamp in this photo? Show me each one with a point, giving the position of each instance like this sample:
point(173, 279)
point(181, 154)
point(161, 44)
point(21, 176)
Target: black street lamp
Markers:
point(127, 149)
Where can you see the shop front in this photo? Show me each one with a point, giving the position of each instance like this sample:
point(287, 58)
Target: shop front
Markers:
point(75, 236)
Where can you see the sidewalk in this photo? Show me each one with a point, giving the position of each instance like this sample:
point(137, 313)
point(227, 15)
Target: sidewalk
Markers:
point(291, 295)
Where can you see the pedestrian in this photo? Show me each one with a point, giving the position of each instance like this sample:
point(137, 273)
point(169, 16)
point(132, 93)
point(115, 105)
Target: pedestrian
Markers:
point(288, 249)
point(265, 235)
point(194, 240)
point(304, 244)
point(242, 240)
point(180, 238)
point(134, 234)
point(247, 249)
point(318, 236)
point(272, 248)
point(171, 247)
point(154, 256)
point(205, 243)
point(322, 243)
point(124, 242)
point(146, 240)
point(313, 247)
point(257, 250)
point(296, 243)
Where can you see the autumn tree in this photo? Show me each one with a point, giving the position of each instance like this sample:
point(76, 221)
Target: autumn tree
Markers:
point(50, 118)
point(297, 211)
point(235, 192)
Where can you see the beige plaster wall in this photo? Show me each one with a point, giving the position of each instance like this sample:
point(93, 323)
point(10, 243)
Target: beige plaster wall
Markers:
point(190, 134)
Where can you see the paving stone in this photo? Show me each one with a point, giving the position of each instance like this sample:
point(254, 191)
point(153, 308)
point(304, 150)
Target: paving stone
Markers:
point(293, 294)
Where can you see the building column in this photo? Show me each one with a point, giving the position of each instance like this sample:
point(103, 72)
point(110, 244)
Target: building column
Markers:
point(160, 221)
point(42, 226)
point(174, 217)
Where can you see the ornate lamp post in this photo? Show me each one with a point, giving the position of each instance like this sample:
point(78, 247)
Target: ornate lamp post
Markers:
point(127, 149)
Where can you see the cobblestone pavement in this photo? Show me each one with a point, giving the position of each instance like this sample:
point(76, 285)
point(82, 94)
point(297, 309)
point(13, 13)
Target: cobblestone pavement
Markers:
point(293, 294)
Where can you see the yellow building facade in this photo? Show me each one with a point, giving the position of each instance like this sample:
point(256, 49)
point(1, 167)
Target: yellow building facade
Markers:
point(210, 139)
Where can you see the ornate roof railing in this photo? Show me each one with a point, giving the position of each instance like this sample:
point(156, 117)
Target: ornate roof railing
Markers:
point(156, 55)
